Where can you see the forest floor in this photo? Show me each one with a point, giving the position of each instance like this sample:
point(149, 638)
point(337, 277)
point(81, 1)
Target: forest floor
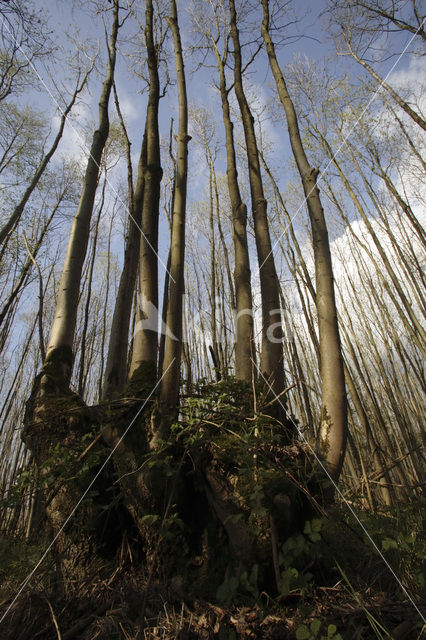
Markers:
point(330, 613)
point(361, 602)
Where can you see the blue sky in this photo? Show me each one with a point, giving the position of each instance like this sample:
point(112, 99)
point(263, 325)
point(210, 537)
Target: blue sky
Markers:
point(75, 22)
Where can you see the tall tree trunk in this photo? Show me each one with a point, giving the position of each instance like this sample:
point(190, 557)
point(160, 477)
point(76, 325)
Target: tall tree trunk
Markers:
point(402, 103)
point(83, 371)
point(57, 420)
point(333, 429)
point(62, 334)
point(145, 347)
point(116, 365)
point(271, 362)
point(412, 323)
point(170, 380)
point(244, 338)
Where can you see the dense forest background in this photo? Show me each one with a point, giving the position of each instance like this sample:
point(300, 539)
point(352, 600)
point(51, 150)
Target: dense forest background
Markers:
point(212, 305)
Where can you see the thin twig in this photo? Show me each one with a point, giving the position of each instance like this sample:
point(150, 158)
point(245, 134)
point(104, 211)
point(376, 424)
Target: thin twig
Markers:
point(41, 293)
point(55, 622)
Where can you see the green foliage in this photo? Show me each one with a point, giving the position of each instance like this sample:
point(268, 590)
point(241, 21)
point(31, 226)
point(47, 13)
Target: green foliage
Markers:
point(312, 529)
point(378, 628)
point(261, 476)
point(314, 632)
point(228, 590)
point(21, 131)
point(17, 560)
point(297, 554)
point(242, 583)
point(399, 536)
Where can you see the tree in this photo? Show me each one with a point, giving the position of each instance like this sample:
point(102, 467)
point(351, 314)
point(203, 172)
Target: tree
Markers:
point(332, 441)
point(19, 208)
point(61, 337)
point(271, 361)
point(244, 338)
point(116, 363)
point(358, 20)
point(51, 386)
point(24, 40)
point(180, 479)
point(145, 345)
point(170, 375)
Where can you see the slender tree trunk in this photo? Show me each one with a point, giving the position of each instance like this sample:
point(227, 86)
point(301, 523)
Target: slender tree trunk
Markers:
point(82, 374)
point(62, 334)
point(244, 339)
point(20, 284)
point(56, 420)
point(271, 363)
point(168, 207)
point(333, 430)
point(145, 347)
point(170, 381)
point(116, 369)
point(412, 323)
point(404, 105)
point(17, 213)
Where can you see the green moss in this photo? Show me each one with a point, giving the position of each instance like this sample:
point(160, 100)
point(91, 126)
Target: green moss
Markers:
point(142, 382)
point(57, 369)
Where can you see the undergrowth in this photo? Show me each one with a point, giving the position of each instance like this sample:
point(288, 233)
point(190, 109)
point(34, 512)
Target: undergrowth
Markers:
point(305, 573)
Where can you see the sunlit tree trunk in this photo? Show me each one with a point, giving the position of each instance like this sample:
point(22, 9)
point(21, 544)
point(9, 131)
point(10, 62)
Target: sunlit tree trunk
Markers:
point(409, 318)
point(62, 334)
point(145, 346)
point(400, 102)
point(332, 440)
point(271, 364)
point(116, 364)
point(53, 440)
point(244, 343)
point(170, 379)
point(82, 374)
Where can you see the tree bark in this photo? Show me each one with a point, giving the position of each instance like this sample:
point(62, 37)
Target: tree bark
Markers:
point(116, 365)
point(244, 338)
point(56, 420)
point(62, 334)
point(145, 347)
point(170, 380)
point(333, 429)
point(271, 362)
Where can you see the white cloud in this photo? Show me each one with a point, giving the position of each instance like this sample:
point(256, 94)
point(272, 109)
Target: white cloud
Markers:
point(131, 109)
point(74, 141)
point(411, 79)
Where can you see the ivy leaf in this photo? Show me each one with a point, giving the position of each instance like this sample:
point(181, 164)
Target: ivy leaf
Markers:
point(149, 519)
point(388, 543)
point(302, 632)
point(316, 525)
point(315, 627)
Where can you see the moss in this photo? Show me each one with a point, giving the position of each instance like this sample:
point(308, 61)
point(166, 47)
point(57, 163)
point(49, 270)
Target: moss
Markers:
point(142, 382)
point(54, 414)
point(57, 369)
point(326, 426)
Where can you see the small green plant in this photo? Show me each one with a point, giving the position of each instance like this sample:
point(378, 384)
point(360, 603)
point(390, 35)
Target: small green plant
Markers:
point(314, 632)
point(227, 591)
point(246, 582)
point(296, 556)
point(17, 559)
